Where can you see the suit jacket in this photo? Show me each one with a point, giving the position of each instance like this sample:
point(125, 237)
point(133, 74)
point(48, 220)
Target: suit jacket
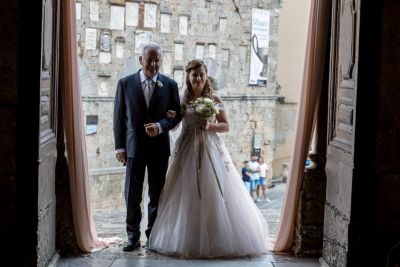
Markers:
point(131, 113)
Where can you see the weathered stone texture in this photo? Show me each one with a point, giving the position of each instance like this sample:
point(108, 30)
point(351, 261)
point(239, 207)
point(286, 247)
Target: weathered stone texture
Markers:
point(107, 188)
point(310, 222)
point(100, 146)
point(46, 204)
point(338, 206)
point(284, 135)
point(334, 254)
point(257, 119)
point(335, 240)
point(47, 234)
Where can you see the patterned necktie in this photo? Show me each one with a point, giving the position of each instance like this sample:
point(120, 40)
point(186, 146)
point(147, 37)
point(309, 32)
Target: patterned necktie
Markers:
point(147, 91)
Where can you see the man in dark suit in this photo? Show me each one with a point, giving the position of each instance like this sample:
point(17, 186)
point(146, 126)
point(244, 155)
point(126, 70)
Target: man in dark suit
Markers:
point(141, 135)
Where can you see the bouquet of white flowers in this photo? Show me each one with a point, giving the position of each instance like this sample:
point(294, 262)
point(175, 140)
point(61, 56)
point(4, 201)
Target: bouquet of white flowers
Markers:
point(205, 107)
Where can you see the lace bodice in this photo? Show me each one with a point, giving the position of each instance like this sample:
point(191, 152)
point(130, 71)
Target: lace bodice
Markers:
point(191, 121)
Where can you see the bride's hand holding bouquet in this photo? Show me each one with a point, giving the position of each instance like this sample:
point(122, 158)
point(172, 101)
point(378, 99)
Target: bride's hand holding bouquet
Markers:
point(206, 109)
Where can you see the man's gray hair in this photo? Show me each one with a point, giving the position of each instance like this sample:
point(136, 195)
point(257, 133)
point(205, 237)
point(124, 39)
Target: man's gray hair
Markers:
point(151, 45)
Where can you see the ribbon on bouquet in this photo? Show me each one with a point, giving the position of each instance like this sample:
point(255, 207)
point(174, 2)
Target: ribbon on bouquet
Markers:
point(215, 172)
point(199, 147)
point(199, 142)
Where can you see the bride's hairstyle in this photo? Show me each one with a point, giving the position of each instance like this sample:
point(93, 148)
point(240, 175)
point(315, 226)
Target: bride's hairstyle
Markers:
point(189, 95)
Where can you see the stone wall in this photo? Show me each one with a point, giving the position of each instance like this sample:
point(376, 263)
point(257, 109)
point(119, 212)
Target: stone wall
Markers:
point(310, 213)
point(100, 145)
point(107, 188)
point(284, 138)
point(249, 116)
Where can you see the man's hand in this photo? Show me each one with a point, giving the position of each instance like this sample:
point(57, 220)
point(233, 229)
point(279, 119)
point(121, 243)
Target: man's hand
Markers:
point(170, 114)
point(121, 157)
point(151, 129)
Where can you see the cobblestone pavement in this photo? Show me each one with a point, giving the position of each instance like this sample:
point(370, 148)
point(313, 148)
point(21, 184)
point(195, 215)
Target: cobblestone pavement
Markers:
point(111, 223)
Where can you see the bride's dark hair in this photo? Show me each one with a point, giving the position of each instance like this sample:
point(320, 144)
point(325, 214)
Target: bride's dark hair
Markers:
point(188, 94)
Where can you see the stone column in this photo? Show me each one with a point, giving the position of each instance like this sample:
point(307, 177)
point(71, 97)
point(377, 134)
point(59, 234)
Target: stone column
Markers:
point(310, 217)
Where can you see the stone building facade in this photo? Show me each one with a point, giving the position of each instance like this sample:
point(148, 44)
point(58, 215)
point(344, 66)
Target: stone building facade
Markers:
point(110, 33)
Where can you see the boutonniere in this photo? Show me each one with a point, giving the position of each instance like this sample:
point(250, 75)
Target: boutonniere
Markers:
point(159, 84)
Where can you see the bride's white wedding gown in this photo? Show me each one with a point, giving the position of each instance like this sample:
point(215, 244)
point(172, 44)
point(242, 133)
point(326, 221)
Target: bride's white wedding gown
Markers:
point(205, 209)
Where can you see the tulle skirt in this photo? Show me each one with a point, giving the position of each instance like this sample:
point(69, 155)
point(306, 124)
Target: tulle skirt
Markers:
point(205, 211)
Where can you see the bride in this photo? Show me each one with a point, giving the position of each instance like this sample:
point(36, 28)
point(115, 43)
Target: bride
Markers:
point(204, 209)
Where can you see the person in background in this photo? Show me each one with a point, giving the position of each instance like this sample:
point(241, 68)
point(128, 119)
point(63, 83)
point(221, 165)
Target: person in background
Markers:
point(246, 175)
point(262, 181)
point(254, 167)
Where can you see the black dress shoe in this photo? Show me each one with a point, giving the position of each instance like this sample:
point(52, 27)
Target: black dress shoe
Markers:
point(132, 245)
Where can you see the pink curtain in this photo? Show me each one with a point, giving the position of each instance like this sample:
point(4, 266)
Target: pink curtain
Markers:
point(315, 59)
point(85, 231)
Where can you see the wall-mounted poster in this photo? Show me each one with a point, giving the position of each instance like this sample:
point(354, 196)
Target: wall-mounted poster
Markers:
point(183, 25)
point(178, 51)
point(178, 77)
point(212, 51)
point(78, 11)
point(259, 46)
point(167, 63)
point(91, 39)
point(117, 18)
point(150, 16)
point(132, 14)
point(199, 51)
point(142, 37)
point(165, 23)
point(94, 10)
